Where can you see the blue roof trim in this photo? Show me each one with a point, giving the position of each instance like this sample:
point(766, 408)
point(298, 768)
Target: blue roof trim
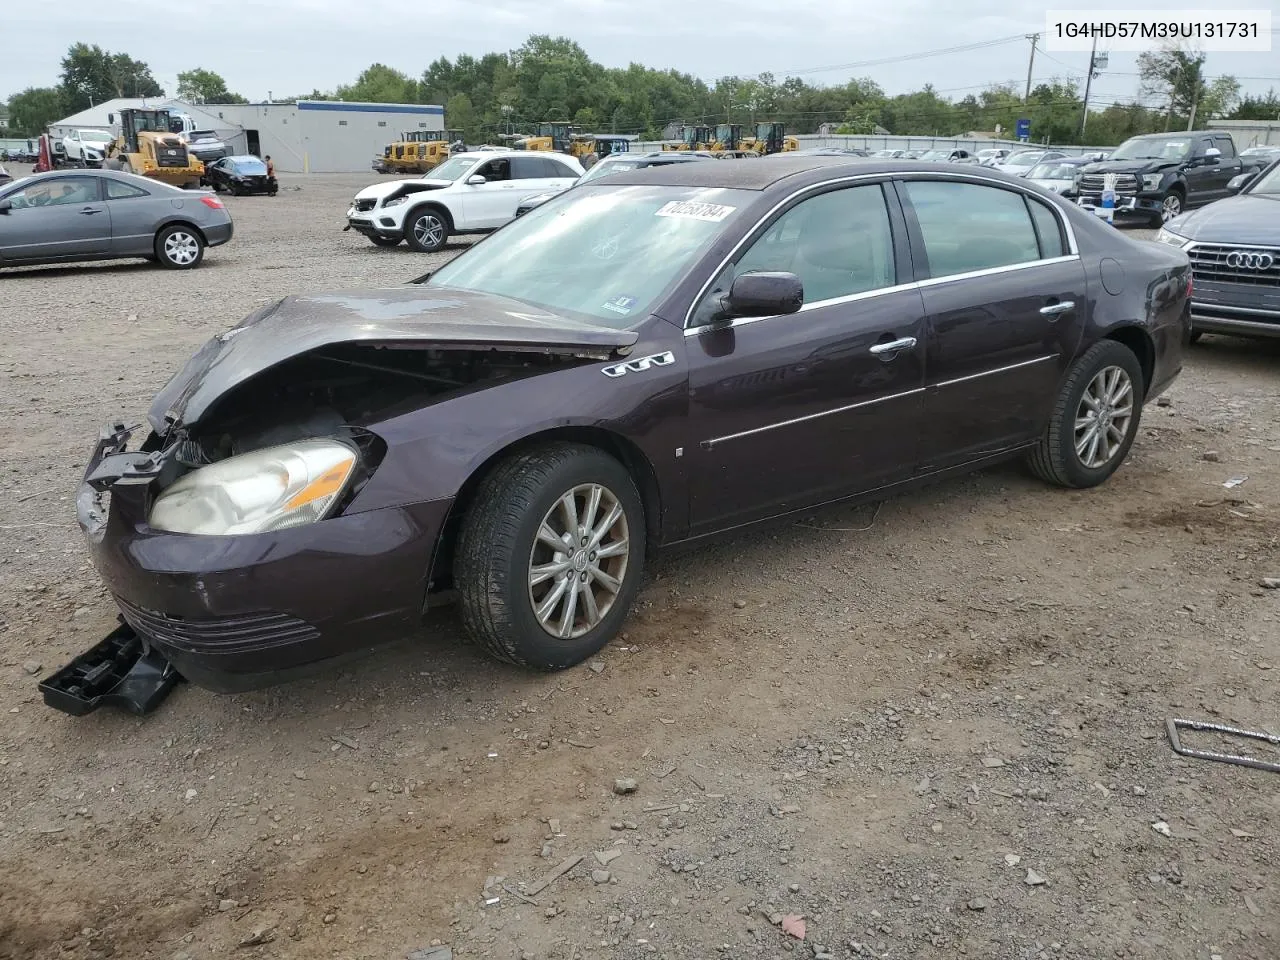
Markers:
point(427, 109)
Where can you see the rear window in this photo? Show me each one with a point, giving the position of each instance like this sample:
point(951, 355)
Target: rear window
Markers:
point(251, 167)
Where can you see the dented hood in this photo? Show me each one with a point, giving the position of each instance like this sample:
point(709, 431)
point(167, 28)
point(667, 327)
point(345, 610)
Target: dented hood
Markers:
point(419, 316)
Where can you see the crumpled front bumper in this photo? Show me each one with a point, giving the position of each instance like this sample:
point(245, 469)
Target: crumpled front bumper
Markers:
point(235, 613)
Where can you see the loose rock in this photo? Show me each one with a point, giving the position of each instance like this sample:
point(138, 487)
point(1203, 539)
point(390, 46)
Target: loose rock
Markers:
point(32, 667)
point(601, 876)
point(431, 953)
point(1034, 879)
point(624, 786)
point(606, 857)
point(978, 904)
point(1211, 456)
point(1269, 583)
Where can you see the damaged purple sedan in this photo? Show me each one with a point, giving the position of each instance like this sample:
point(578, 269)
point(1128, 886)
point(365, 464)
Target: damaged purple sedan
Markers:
point(664, 355)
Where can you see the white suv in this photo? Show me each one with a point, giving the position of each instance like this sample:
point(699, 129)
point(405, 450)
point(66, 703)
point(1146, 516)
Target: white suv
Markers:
point(473, 192)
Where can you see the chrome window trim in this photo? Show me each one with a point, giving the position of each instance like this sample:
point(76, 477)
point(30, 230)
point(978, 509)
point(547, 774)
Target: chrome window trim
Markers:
point(882, 291)
point(1230, 245)
point(709, 444)
point(1073, 248)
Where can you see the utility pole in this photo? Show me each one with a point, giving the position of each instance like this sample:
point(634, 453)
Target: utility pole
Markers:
point(1191, 120)
point(1093, 56)
point(1034, 38)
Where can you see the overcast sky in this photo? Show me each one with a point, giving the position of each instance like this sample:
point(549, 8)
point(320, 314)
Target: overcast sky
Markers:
point(292, 46)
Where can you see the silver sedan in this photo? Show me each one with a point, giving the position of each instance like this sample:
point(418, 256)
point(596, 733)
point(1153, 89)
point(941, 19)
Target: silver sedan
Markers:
point(65, 216)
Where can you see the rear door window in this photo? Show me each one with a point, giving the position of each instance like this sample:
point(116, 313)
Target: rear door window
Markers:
point(968, 227)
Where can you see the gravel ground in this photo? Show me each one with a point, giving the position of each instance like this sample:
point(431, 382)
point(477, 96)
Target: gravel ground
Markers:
point(928, 729)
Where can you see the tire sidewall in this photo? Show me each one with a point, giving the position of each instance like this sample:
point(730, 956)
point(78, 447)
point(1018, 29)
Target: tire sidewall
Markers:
point(1113, 354)
point(536, 645)
point(411, 237)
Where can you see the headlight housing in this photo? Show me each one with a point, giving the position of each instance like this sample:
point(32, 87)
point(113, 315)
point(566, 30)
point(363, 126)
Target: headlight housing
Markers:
point(395, 201)
point(270, 489)
point(1171, 238)
point(1151, 181)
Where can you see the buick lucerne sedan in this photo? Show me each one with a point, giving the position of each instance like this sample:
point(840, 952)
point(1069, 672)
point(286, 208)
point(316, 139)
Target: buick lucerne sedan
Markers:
point(664, 355)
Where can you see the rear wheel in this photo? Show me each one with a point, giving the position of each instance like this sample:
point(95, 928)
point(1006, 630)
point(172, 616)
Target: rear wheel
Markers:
point(179, 248)
point(550, 555)
point(1094, 420)
point(426, 230)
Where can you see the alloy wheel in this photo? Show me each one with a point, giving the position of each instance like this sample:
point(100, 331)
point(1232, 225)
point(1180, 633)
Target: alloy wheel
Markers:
point(579, 561)
point(181, 248)
point(1103, 417)
point(1171, 207)
point(428, 230)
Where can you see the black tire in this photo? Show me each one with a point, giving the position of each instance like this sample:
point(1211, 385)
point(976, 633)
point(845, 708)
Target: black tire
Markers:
point(496, 548)
point(381, 241)
point(1055, 459)
point(179, 247)
point(426, 229)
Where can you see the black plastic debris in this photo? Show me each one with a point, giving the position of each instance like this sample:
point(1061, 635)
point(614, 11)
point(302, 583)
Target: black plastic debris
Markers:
point(118, 671)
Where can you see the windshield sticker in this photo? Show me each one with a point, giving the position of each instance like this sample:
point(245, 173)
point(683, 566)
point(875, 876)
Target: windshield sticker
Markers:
point(692, 210)
point(622, 305)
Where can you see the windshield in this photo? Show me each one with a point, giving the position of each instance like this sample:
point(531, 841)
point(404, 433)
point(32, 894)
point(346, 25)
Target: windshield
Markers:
point(1152, 148)
point(608, 168)
point(1027, 159)
point(1053, 170)
point(604, 252)
point(450, 169)
point(1268, 184)
point(935, 155)
point(203, 135)
point(96, 136)
point(250, 166)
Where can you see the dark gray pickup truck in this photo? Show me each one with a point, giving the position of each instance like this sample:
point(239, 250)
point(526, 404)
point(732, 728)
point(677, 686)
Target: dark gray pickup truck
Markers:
point(1159, 175)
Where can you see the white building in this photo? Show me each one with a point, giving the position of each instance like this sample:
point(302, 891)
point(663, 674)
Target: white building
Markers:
point(309, 136)
point(1250, 133)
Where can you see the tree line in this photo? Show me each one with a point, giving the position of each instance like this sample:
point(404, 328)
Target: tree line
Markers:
point(553, 78)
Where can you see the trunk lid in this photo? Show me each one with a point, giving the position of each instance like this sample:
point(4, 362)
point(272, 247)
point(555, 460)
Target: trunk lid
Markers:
point(414, 316)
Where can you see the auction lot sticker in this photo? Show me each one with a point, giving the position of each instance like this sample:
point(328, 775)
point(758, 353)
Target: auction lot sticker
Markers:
point(692, 210)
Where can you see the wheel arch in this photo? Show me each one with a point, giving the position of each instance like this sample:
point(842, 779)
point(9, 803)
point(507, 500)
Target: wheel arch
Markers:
point(1138, 340)
point(179, 222)
point(621, 448)
point(432, 204)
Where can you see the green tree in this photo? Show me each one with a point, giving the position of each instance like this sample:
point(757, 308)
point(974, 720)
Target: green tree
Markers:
point(32, 110)
point(205, 86)
point(1177, 73)
point(92, 75)
point(380, 84)
point(459, 114)
point(1252, 108)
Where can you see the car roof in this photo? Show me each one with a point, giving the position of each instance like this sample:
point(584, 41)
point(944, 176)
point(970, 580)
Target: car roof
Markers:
point(751, 174)
point(500, 153)
point(245, 156)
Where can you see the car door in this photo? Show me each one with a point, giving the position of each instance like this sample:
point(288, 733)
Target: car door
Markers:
point(791, 411)
point(491, 204)
point(1007, 303)
point(1229, 165)
point(1202, 173)
point(55, 218)
point(134, 215)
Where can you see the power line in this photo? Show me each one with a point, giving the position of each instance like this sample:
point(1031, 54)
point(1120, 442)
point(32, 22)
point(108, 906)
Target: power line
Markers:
point(901, 58)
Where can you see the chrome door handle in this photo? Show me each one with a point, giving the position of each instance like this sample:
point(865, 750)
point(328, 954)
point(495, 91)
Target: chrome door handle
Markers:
point(1054, 309)
point(893, 346)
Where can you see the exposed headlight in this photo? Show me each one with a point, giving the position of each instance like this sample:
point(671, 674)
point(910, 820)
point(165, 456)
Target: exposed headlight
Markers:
point(1166, 236)
point(271, 489)
point(395, 201)
point(1151, 181)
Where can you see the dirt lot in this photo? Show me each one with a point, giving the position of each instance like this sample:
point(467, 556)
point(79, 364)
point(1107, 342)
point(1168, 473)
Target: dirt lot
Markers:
point(932, 729)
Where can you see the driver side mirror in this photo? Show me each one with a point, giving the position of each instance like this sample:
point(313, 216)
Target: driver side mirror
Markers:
point(476, 180)
point(6, 205)
point(1234, 185)
point(762, 295)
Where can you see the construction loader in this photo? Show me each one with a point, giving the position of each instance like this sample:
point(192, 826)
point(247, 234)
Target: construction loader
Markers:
point(148, 147)
point(692, 138)
point(557, 135)
point(770, 138)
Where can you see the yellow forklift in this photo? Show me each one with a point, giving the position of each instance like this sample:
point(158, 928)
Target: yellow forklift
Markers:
point(770, 138)
point(148, 146)
point(558, 135)
point(692, 138)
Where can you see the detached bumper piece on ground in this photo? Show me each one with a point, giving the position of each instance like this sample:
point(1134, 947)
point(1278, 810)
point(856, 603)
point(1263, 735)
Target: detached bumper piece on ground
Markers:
point(119, 671)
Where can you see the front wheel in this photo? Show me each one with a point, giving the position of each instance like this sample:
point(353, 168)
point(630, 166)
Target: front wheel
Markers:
point(549, 556)
point(1094, 419)
point(426, 230)
point(179, 248)
point(1170, 207)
